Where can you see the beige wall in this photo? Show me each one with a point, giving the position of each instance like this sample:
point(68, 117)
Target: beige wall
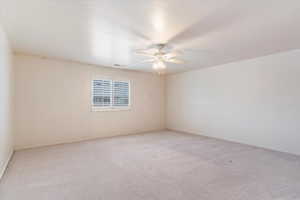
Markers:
point(255, 102)
point(6, 105)
point(53, 102)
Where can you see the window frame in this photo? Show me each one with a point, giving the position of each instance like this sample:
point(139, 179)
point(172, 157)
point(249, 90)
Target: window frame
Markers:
point(95, 108)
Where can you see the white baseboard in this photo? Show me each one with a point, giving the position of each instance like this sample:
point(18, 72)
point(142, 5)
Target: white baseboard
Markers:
point(234, 141)
point(2, 171)
point(83, 139)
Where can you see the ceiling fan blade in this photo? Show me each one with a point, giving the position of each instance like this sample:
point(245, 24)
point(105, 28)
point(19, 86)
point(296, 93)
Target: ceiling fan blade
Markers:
point(198, 52)
point(145, 54)
point(172, 55)
point(176, 61)
point(148, 61)
point(148, 51)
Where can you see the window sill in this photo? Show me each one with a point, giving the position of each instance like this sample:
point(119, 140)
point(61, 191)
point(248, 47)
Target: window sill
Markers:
point(97, 109)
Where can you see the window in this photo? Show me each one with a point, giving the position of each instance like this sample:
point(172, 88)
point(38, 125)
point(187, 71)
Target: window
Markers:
point(110, 94)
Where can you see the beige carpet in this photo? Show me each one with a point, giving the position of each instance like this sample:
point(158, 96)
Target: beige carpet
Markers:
point(154, 166)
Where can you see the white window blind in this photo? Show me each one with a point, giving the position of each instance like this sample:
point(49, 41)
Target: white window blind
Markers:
point(102, 93)
point(112, 94)
point(120, 93)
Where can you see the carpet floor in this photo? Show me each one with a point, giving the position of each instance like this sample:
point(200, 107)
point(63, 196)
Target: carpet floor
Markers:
point(153, 166)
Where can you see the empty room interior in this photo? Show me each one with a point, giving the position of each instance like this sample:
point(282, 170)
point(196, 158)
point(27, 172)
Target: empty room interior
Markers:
point(149, 100)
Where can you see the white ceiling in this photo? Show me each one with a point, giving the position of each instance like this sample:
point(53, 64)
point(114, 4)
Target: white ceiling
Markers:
point(106, 32)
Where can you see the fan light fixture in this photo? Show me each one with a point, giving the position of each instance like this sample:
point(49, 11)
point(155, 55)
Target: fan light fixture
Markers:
point(159, 65)
point(160, 54)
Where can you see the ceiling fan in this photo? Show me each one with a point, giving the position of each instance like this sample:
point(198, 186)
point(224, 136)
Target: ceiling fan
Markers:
point(160, 54)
